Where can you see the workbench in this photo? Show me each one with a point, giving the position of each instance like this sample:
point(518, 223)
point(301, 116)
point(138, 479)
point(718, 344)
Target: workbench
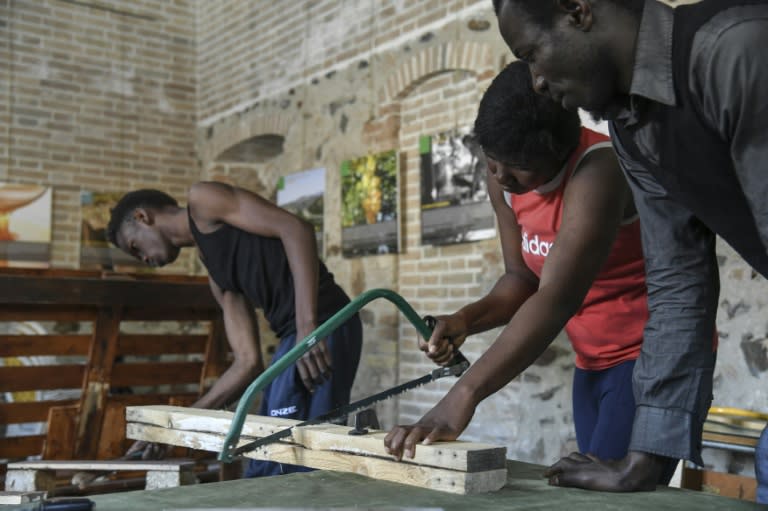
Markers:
point(525, 490)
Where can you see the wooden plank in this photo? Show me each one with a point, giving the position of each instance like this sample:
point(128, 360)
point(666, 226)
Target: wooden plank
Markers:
point(160, 344)
point(62, 432)
point(49, 272)
point(32, 411)
point(30, 480)
point(112, 441)
point(20, 497)
point(49, 312)
point(718, 483)
point(59, 273)
point(463, 456)
point(15, 379)
point(21, 446)
point(29, 289)
point(452, 481)
point(157, 479)
point(31, 345)
point(138, 313)
point(730, 426)
point(216, 350)
point(749, 441)
point(173, 465)
point(152, 399)
point(156, 373)
point(97, 384)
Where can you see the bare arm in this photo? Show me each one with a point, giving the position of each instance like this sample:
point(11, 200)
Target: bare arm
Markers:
point(240, 325)
point(217, 203)
point(595, 201)
point(243, 337)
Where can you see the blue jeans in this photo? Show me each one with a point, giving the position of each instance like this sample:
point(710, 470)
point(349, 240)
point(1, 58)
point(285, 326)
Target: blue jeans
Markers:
point(761, 467)
point(287, 397)
point(604, 411)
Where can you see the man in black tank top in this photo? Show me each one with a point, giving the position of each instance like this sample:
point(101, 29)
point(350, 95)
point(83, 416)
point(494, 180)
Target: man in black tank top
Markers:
point(257, 255)
point(684, 91)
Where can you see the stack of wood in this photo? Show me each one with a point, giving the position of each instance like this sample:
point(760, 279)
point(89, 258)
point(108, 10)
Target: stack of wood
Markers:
point(456, 467)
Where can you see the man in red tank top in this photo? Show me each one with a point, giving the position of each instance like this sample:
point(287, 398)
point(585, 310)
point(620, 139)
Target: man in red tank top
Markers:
point(573, 259)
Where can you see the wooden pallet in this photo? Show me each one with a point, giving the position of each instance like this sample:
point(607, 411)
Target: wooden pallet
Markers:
point(28, 476)
point(456, 467)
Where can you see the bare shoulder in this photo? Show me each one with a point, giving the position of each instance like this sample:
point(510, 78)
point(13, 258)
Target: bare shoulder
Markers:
point(599, 183)
point(600, 167)
point(204, 192)
point(208, 201)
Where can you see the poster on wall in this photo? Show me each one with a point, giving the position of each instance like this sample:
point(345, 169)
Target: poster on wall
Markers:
point(454, 195)
point(369, 194)
point(95, 250)
point(25, 225)
point(302, 193)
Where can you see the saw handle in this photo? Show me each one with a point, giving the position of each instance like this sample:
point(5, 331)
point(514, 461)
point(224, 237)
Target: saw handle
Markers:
point(458, 356)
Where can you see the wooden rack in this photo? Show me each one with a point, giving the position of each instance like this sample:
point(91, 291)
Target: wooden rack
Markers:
point(112, 369)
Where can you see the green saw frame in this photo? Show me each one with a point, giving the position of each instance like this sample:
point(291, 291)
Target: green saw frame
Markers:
point(233, 436)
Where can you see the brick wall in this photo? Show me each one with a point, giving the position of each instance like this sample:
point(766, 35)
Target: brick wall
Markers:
point(95, 97)
point(349, 77)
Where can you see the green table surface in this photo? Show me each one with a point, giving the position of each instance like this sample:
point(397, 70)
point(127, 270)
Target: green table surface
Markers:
point(525, 490)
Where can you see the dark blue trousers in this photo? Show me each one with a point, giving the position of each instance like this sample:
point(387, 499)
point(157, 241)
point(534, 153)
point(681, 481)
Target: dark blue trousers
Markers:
point(761, 467)
point(286, 396)
point(603, 410)
point(603, 413)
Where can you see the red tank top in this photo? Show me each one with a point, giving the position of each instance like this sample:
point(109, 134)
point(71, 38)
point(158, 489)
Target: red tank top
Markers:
point(608, 328)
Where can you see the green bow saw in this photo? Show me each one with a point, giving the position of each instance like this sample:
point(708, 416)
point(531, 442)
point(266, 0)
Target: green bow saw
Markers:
point(236, 427)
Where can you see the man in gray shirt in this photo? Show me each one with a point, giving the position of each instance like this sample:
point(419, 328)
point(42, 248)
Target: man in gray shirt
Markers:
point(685, 93)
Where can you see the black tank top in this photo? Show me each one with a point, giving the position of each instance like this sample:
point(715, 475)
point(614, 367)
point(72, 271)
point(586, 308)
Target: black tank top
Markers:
point(257, 267)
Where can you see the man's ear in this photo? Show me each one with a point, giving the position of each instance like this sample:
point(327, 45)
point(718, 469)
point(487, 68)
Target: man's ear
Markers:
point(579, 13)
point(143, 216)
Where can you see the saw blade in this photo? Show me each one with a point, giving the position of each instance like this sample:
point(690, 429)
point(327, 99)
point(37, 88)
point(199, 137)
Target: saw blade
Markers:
point(337, 413)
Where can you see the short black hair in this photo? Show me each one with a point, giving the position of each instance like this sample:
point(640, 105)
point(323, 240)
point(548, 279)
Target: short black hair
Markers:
point(517, 125)
point(541, 10)
point(130, 202)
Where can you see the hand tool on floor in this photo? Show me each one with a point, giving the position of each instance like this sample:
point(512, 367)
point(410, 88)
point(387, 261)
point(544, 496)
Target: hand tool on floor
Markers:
point(456, 367)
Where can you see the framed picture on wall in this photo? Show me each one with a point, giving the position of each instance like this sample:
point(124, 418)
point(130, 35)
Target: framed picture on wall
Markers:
point(454, 195)
point(25, 225)
point(369, 210)
point(95, 250)
point(302, 193)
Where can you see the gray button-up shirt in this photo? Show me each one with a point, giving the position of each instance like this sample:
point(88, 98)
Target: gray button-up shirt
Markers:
point(728, 78)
